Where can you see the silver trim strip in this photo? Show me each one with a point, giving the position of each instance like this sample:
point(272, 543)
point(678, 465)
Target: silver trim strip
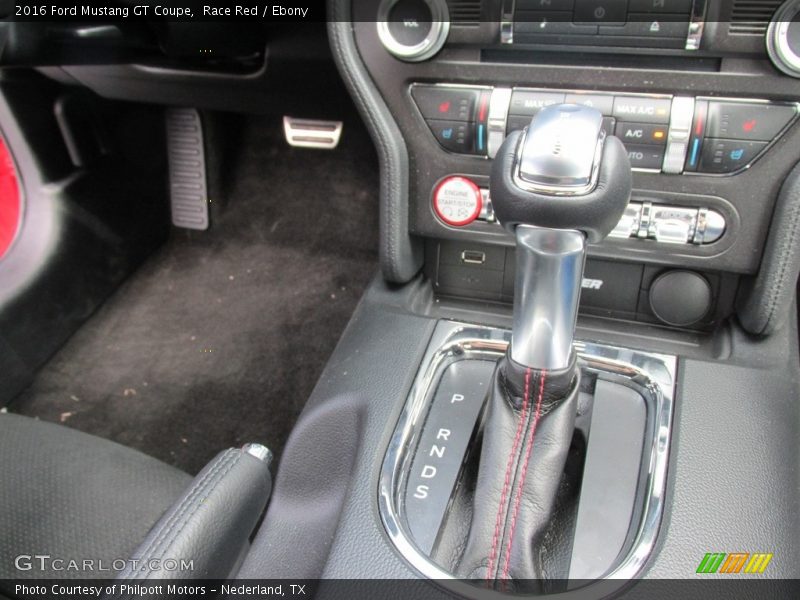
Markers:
point(680, 128)
point(652, 375)
point(496, 122)
point(507, 22)
point(697, 24)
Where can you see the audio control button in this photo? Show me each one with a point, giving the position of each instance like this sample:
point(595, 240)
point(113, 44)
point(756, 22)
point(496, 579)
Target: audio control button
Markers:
point(660, 6)
point(600, 11)
point(413, 30)
point(409, 21)
point(651, 26)
point(537, 23)
point(559, 5)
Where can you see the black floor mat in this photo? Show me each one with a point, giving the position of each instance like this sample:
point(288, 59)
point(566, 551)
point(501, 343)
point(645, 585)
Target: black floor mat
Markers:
point(220, 337)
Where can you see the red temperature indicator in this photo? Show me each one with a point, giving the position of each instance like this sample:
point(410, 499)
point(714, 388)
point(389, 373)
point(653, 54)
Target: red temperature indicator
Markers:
point(457, 201)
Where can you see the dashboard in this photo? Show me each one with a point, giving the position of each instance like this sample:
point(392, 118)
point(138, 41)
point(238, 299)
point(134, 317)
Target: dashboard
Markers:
point(704, 95)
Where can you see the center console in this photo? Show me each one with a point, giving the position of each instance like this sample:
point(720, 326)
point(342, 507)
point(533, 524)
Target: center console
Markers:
point(706, 110)
point(708, 121)
point(421, 435)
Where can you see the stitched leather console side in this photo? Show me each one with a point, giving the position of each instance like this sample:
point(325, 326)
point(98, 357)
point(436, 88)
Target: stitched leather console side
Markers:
point(400, 253)
point(764, 304)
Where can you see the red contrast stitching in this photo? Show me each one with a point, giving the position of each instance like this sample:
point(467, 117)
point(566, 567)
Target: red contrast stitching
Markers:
point(507, 482)
point(523, 473)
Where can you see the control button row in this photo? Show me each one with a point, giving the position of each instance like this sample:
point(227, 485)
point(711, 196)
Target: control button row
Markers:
point(655, 23)
point(636, 109)
point(670, 224)
point(458, 201)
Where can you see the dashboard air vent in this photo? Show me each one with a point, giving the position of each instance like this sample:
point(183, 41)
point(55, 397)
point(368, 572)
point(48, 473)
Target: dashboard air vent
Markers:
point(465, 13)
point(751, 17)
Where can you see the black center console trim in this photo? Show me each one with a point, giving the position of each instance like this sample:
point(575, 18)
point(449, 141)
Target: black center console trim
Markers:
point(400, 253)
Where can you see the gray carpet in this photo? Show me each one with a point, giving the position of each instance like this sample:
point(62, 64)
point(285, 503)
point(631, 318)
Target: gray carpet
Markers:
point(220, 337)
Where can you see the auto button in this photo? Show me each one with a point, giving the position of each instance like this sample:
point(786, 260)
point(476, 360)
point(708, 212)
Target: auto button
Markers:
point(645, 156)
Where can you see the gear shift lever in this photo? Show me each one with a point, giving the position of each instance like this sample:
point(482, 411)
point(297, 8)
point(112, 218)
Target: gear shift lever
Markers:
point(557, 185)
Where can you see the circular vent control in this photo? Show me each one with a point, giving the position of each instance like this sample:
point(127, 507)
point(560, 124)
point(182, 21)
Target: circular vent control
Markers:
point(413, 30)
point(783, 38)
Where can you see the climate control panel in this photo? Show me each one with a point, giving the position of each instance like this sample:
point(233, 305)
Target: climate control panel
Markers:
point(663, 133)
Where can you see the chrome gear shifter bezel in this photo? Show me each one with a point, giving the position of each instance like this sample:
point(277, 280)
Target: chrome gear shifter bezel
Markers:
point(652, 375)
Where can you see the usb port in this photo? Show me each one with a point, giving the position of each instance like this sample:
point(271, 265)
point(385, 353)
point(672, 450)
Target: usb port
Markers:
point(473, 257)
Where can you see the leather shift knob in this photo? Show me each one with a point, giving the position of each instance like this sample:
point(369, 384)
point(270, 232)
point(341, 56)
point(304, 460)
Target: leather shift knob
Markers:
point(595, 213)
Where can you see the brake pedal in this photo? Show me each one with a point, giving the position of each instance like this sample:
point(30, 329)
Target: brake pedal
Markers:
point(187, 169)
point(312, 133)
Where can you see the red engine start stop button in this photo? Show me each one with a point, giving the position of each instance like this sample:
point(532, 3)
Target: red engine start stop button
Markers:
point(457, 201)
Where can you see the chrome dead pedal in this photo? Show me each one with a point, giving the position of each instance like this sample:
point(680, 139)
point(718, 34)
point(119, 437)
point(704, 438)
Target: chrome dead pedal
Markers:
point(187, 169)
point(312, 133)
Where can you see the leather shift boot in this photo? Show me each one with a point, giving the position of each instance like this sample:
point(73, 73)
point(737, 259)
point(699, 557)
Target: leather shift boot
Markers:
point(526, 438)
